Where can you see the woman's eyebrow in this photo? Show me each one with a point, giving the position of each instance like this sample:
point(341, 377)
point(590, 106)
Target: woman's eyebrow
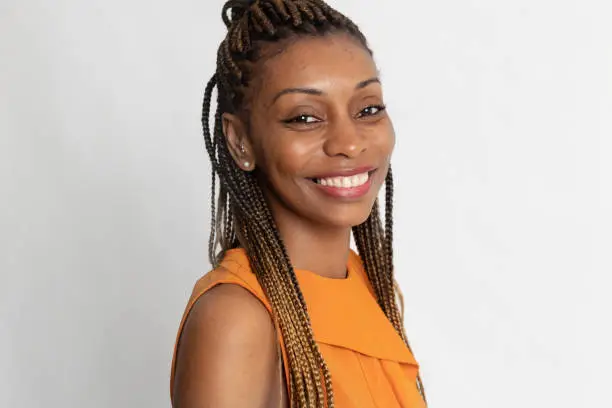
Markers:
point(363, 84)
point(308, 91)
point(318, 92)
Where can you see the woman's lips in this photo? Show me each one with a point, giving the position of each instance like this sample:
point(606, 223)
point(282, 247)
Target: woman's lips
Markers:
point(355, 185)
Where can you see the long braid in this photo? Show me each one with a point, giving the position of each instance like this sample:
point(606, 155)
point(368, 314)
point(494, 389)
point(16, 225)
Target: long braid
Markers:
point(241, 215)
point(388, 245)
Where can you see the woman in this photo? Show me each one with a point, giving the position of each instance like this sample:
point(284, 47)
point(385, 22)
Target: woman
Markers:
point(301, 143)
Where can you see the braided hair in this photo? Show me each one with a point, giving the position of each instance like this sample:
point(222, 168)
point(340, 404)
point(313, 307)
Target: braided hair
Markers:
point(240, 216)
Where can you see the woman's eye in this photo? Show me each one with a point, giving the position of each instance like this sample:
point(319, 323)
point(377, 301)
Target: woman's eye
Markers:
point(306, 119)
point(371, 111)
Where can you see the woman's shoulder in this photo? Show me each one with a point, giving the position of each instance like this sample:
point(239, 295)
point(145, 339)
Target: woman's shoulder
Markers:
point(227, 344)
point(226, 334)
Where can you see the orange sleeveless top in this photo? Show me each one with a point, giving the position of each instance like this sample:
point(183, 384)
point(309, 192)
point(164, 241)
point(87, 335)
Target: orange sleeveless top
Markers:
point(370, 365)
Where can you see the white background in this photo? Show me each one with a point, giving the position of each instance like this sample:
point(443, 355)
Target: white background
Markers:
point(504, 194)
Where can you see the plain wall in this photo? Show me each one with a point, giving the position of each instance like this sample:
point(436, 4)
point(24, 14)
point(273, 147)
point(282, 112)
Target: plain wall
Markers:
point(503, 194)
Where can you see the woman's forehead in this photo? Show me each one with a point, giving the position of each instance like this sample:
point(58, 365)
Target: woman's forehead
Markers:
point(319, 62)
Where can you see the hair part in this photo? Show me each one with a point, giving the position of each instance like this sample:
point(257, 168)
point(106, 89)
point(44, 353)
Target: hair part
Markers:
point(240, 215)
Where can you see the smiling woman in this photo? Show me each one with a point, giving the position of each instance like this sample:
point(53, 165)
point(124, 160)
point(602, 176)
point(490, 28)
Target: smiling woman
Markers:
point(301, 144)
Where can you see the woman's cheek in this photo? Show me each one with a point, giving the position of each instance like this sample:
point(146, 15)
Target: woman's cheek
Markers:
point(292, 156)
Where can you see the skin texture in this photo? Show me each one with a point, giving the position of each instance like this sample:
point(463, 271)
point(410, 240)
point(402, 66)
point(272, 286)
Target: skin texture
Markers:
point(227, 355)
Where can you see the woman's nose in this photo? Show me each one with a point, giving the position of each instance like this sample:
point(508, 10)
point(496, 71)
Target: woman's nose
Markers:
point(344, 139)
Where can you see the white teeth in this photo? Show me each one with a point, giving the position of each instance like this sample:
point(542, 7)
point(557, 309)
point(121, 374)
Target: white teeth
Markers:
point(345, 182)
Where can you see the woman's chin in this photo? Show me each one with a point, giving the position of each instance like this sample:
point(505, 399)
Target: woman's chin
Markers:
point(344, 218)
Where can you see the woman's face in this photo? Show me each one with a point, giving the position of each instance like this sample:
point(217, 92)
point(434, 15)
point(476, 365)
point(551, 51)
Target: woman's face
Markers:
point(318, 134)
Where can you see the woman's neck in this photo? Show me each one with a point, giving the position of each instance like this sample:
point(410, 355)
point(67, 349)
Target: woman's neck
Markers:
point(321, 249)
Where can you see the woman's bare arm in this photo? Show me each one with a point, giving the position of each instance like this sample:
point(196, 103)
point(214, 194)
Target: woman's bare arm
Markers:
point(227, 354)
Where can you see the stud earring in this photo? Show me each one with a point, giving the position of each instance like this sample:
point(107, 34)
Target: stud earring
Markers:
point(247, 164)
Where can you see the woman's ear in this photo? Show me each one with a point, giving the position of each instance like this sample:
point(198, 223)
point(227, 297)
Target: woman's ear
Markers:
point(238, 143)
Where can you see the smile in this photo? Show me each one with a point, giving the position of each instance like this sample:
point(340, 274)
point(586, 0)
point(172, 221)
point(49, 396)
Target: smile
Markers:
point(353, 185)
point(344, 182)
